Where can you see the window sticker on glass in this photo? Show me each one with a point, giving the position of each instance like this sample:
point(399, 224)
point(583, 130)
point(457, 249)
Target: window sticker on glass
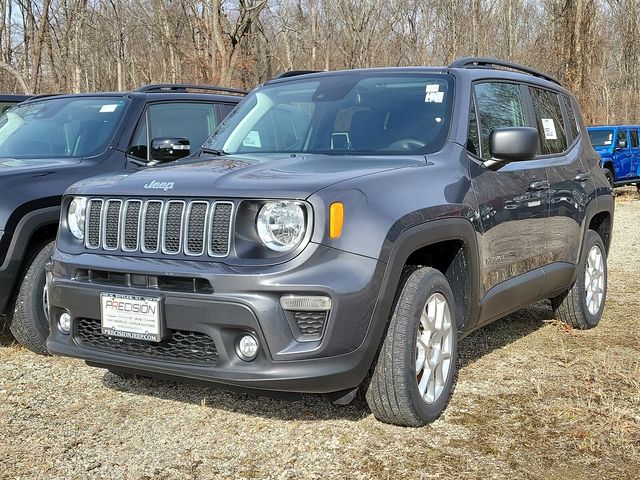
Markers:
point(108, 108)
point(434, 97)
point(252, 139)
point(549, 129)
point(432, 87)
point(607, 142)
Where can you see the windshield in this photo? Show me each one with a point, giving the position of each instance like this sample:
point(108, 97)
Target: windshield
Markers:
point(351, 113)
point(60, 127)
point(601, 138)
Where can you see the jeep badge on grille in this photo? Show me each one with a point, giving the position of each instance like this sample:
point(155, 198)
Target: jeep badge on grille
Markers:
point(155, 185)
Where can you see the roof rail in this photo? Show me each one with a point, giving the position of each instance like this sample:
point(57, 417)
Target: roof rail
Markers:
point(487, 62)
point(183, 87)
point(295, 73)
point(42, 95)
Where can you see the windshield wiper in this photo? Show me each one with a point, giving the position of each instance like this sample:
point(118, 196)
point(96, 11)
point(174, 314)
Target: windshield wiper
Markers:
point(211, 151)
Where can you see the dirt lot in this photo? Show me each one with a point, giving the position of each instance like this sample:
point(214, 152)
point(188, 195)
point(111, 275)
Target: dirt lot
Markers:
point(534, 400)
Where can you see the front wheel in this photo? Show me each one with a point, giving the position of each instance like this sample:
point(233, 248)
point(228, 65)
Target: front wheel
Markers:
point(29, 322)
point(417, 366)
point(582, 305)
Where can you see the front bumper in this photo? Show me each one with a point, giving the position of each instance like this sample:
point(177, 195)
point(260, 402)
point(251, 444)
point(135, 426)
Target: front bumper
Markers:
point(243, 300)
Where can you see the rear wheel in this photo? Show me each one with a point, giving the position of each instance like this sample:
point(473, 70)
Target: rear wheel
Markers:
point(416, 370)
point(582, 305)
point(29, 322)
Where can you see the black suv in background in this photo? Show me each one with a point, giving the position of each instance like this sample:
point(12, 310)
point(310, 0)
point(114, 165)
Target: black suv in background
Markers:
point(341, 230)
point(48, 143)
point(8, 101)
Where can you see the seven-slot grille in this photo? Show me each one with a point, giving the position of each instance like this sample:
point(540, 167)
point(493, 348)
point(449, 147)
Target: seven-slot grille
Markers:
point(193, 228)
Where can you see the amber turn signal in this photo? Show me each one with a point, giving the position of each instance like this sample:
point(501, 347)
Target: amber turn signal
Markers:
point(336, 219)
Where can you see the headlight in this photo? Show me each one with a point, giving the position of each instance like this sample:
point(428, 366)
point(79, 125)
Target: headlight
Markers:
point(76, 217)
point(281, 225)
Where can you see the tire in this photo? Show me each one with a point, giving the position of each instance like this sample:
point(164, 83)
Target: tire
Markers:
point(576, 307)
point(609, 174)
point(393, 394)
point(29, 322)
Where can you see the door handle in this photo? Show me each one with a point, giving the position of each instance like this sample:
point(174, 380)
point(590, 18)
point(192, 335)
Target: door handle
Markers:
point(536, 186)
point(582, 177)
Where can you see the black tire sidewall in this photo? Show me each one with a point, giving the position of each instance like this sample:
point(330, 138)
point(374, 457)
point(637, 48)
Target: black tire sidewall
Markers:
point(432, 282)
point(29, 324)
point(38, 285)
point(610, 177)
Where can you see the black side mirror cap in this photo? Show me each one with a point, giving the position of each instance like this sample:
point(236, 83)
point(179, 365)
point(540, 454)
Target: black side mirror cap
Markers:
point(512, 144)
point(168, 149)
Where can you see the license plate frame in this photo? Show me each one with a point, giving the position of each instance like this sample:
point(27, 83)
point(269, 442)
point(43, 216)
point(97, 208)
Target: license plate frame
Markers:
point(135, 317)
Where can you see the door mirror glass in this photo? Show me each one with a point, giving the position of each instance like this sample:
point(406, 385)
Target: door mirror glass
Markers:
point(622, 144)
point(514, 144)
point(164, 149)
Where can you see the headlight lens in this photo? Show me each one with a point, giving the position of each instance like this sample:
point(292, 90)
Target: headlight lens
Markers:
point(76, 217)
point(281, 225)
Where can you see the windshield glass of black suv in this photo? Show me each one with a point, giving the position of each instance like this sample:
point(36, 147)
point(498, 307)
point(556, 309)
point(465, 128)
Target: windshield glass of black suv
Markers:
point(344, 113)
point(60, 127)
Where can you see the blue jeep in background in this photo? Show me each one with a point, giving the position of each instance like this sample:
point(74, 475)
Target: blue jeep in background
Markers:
point(619, 149)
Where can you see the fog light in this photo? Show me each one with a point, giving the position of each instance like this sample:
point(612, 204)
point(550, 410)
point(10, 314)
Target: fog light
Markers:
point(64, 323)
point(247, 347)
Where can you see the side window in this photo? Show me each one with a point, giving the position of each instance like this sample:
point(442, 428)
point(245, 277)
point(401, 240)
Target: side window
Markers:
point(634, 138)
point(546, 106)
point(571, 116)
point(622, 140)
point(193, 121)
point(499, 105)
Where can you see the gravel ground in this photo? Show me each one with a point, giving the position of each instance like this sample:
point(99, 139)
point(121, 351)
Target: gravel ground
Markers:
point(534, 400)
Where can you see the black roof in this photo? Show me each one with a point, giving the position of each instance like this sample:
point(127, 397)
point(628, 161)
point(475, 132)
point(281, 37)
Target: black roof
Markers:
point(505, 68)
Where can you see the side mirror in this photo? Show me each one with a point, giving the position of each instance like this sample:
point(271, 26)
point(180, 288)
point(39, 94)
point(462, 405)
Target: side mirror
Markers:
point(622, 144)
point(513, 144)
point(165, 149)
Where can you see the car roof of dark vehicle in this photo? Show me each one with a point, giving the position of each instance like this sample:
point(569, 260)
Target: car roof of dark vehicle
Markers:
point(9, 97)
point(161, 92)
point(477, 67)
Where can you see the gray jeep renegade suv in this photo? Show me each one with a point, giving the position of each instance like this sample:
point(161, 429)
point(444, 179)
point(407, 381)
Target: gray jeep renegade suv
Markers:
point(341, 230)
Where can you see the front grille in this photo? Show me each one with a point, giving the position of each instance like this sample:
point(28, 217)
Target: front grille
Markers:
point(178, 346)
point(311, 324)
point(174, 227)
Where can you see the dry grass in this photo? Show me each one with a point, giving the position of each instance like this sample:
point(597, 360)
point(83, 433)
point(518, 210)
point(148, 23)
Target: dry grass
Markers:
point(534, 400)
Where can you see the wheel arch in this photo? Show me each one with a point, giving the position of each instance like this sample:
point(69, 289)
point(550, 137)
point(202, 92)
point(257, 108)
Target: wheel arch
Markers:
point(36, 226)
point(449, 245)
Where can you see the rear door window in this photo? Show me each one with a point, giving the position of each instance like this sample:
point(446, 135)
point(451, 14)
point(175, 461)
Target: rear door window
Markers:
point(572, 121)
point(546, 107)
point(634, 137)
point(499, 105)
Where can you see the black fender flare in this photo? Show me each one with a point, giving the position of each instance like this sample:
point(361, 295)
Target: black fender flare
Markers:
point(597, 205)
point(410, 240)
point(12, 255)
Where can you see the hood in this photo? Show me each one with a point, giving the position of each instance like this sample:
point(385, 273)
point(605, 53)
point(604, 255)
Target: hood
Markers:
point(273, 176)
point(9, 166)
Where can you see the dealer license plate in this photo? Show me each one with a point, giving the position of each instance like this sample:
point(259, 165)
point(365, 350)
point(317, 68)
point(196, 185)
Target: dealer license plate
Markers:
point(131, 316)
